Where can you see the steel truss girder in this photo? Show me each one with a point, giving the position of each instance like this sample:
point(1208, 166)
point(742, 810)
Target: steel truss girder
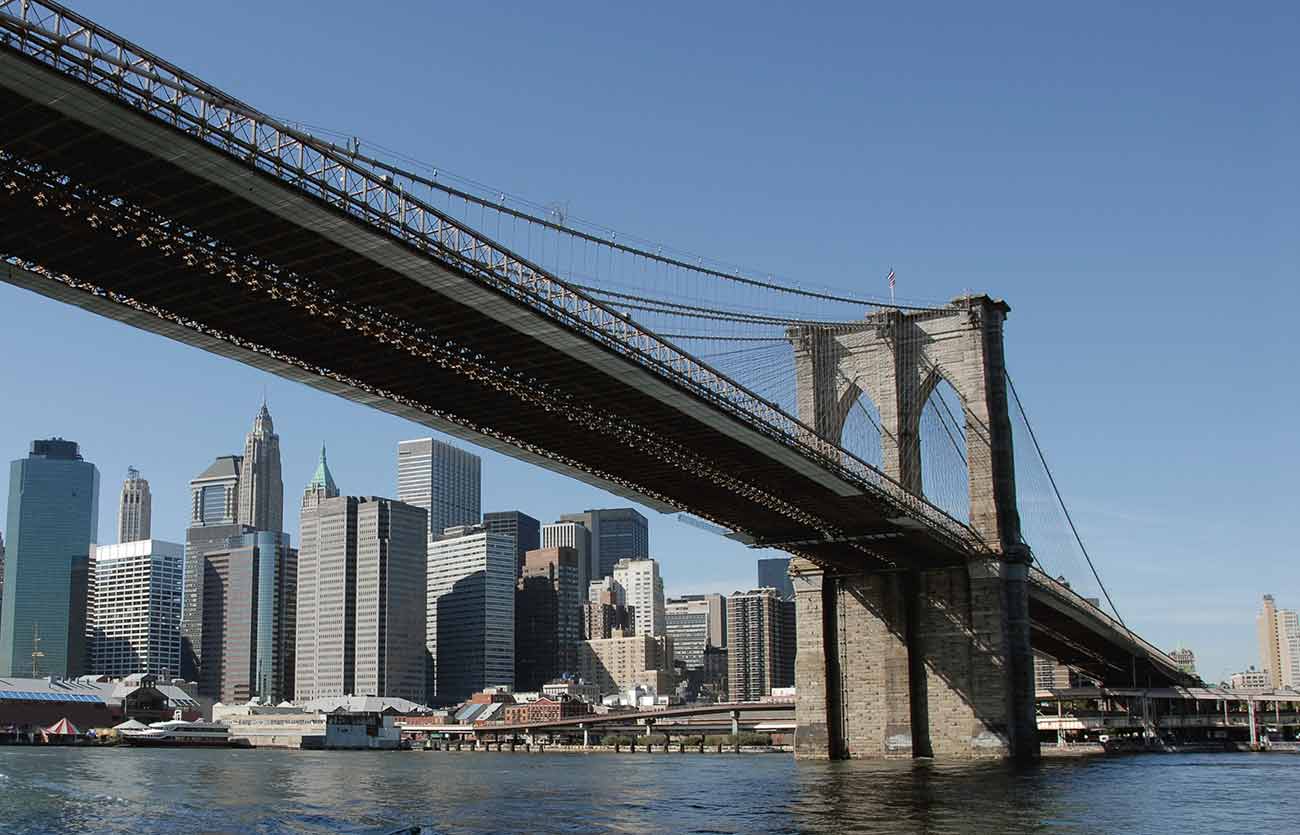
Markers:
point(265, 281)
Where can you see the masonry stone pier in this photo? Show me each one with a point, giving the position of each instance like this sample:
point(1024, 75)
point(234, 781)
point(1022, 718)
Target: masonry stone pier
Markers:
point(917, 660)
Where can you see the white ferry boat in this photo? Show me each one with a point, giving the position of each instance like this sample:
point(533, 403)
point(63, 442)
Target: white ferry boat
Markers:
point(179, 733)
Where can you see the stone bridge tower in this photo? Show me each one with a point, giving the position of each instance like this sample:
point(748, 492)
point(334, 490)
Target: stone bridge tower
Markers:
point(917, 662)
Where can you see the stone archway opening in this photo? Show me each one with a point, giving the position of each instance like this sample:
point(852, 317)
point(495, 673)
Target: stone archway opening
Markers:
point(860, 435)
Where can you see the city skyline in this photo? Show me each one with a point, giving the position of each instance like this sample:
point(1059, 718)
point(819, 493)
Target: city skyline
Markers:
point(1044, 198)
point(167, 527)
point(109, 506)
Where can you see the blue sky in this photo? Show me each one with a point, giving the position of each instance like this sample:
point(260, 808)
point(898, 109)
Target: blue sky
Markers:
point(1125, 178)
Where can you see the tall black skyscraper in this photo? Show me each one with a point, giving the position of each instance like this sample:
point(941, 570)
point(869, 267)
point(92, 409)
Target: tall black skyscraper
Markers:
point(619, 533)
point(524, 529)
point(775, 574)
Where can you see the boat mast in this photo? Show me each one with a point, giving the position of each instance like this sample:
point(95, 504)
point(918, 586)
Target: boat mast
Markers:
point(36, 649)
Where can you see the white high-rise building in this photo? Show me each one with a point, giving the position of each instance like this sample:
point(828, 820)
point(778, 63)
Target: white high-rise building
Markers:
point(696, 622)
point(136, 616)
point(643, 589)
point(577, 536)
point(1288, 639)
point(443, 479)
point(470, 625)
point(134, 508)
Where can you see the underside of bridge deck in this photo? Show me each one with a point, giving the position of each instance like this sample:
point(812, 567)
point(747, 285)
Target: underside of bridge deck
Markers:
point(104, 207)
point(1081, 636)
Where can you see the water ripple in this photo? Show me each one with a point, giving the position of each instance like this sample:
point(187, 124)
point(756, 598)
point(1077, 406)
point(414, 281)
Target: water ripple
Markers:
point(307, 793)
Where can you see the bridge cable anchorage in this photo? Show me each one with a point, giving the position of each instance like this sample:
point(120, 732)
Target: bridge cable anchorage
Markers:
point(497, 203)
point(1073, 529)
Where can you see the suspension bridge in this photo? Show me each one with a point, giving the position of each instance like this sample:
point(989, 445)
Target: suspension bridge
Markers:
point(871, 440)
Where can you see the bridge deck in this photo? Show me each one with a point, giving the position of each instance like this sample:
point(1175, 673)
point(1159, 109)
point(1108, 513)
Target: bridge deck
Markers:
point(205, 249)
point(1078, 634)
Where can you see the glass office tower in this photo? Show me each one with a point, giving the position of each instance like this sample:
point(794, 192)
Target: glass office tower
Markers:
point(53, 519)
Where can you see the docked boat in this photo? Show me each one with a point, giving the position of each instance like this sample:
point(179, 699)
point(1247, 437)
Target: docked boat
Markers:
point(177, 733)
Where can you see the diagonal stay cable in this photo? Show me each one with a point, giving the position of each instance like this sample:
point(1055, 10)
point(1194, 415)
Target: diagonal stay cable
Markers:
point(953, 430)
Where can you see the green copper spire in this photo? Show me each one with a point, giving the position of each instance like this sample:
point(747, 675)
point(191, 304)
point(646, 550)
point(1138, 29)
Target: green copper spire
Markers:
point(323, 478)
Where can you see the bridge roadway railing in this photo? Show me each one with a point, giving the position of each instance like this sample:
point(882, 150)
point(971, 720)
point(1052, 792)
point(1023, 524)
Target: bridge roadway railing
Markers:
point(79, 48)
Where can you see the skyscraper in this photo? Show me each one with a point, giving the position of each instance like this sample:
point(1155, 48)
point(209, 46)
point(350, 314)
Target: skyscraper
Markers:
point(547, 630)
point(320, 487)
point(1288, 639)
point(261, 490)
point(1270, 647)
point(2, 574)
point(53, 518)
point(240, 580)
point(619, 533)
point(775, 574)
point(361, 596)
point(444, 480)
point(525, 530)
point(760, 644)
point(214, 514)
point(239, 616)
point(606, 610)
point(134, 508)
point(1279, 644)
point(696, 622)
point(136, 618)
point(470, 630)
point(214, 493)
point(643, 589)
point(577, 536)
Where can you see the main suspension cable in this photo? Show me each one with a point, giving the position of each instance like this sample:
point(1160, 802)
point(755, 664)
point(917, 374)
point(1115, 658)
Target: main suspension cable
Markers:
point(499, 206)
point(1069, 519)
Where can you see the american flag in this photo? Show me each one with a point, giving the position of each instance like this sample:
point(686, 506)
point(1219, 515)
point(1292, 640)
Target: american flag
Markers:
point(891, 279)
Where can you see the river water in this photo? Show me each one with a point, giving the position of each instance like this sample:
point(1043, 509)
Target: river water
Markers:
point(169, 790)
